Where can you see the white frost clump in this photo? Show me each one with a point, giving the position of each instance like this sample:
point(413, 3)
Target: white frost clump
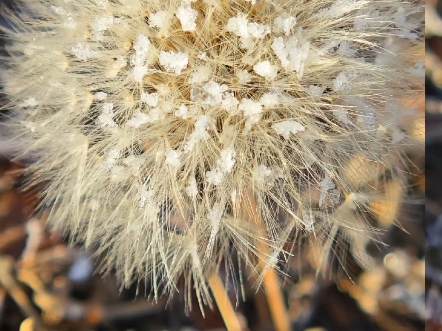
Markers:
point(230, 103)
point(309, 221)
point(284, 24)
point(244, 76)
point(112, 157)
point(227, 160)
point(285, 128)
point(138, 119)
point(106, 117)
point(347, 49)
point(182, 112)
point(257, 30)
point(315, 91)
point(160, 19)
point(201, 126)
point(215, 176)
point(83, 51)
point(265, 69)
point(269, 99)
point(175, 62)
point(215, 92)
point(150, 99)
point(192, 188)
point(262, 172)
point(241, 27)
point(141, 47)
point(343, 82)
point(325, 186)
point(173, 157)
point(187, 17)
point(238, 25)
point(145, 197)
point(201, 74)
point(292, 53)
point(252, 111)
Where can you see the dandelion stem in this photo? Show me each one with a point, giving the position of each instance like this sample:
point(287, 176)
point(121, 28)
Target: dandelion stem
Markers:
point(224, 305)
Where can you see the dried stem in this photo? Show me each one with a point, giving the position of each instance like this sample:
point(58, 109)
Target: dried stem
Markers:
point(224, 305)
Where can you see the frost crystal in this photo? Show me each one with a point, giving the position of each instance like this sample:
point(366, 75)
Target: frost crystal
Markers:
point(244, 76)
point(346, 48)
point(227, 160)
point(342, 116)
point(262, 172)
point(284, 24)
point(325, 186)
point(230, 103)
point(201, 125)
point(343, 82)
point(187, 17)
point(250, 107)
point(286, 127)
point(100, 96)
point(309, 221)
point(257, 30)
point(215, 215)
point(291, 53)
point(269, 100)
point(315, 91)
point(145, 197)
point(83, 52)
point(138, 119)
point(201, 74)
point(175, 62)
point(112, 158)
point(182, 112)
point(192, 188)
point(160, 19)
point(30, 102)
point(102, 23)
point(215, 92)
point(141, 47)
point(173, 157)
point(151, 99)
point(106, 117)
point(214, 177)
point(238, 25)
point(265, 69)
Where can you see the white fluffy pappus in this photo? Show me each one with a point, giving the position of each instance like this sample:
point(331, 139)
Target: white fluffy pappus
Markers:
point(178, 120)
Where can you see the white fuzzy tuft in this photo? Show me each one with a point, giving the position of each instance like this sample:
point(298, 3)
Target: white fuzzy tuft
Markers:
point(160, 127)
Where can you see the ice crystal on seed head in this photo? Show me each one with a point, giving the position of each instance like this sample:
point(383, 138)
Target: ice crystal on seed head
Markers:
point(169, 123)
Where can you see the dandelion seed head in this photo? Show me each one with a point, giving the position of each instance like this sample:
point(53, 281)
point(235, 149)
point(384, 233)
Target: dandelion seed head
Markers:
point(144, 110)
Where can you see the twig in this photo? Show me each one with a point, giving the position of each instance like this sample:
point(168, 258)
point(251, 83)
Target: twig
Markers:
point(224, 304)
point(16, 292)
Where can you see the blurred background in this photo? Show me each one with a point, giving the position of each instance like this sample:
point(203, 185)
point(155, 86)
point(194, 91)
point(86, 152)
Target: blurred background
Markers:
point(46, 285)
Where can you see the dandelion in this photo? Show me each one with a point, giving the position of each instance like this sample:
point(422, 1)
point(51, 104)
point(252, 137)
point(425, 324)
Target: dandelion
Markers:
point(207, 124)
